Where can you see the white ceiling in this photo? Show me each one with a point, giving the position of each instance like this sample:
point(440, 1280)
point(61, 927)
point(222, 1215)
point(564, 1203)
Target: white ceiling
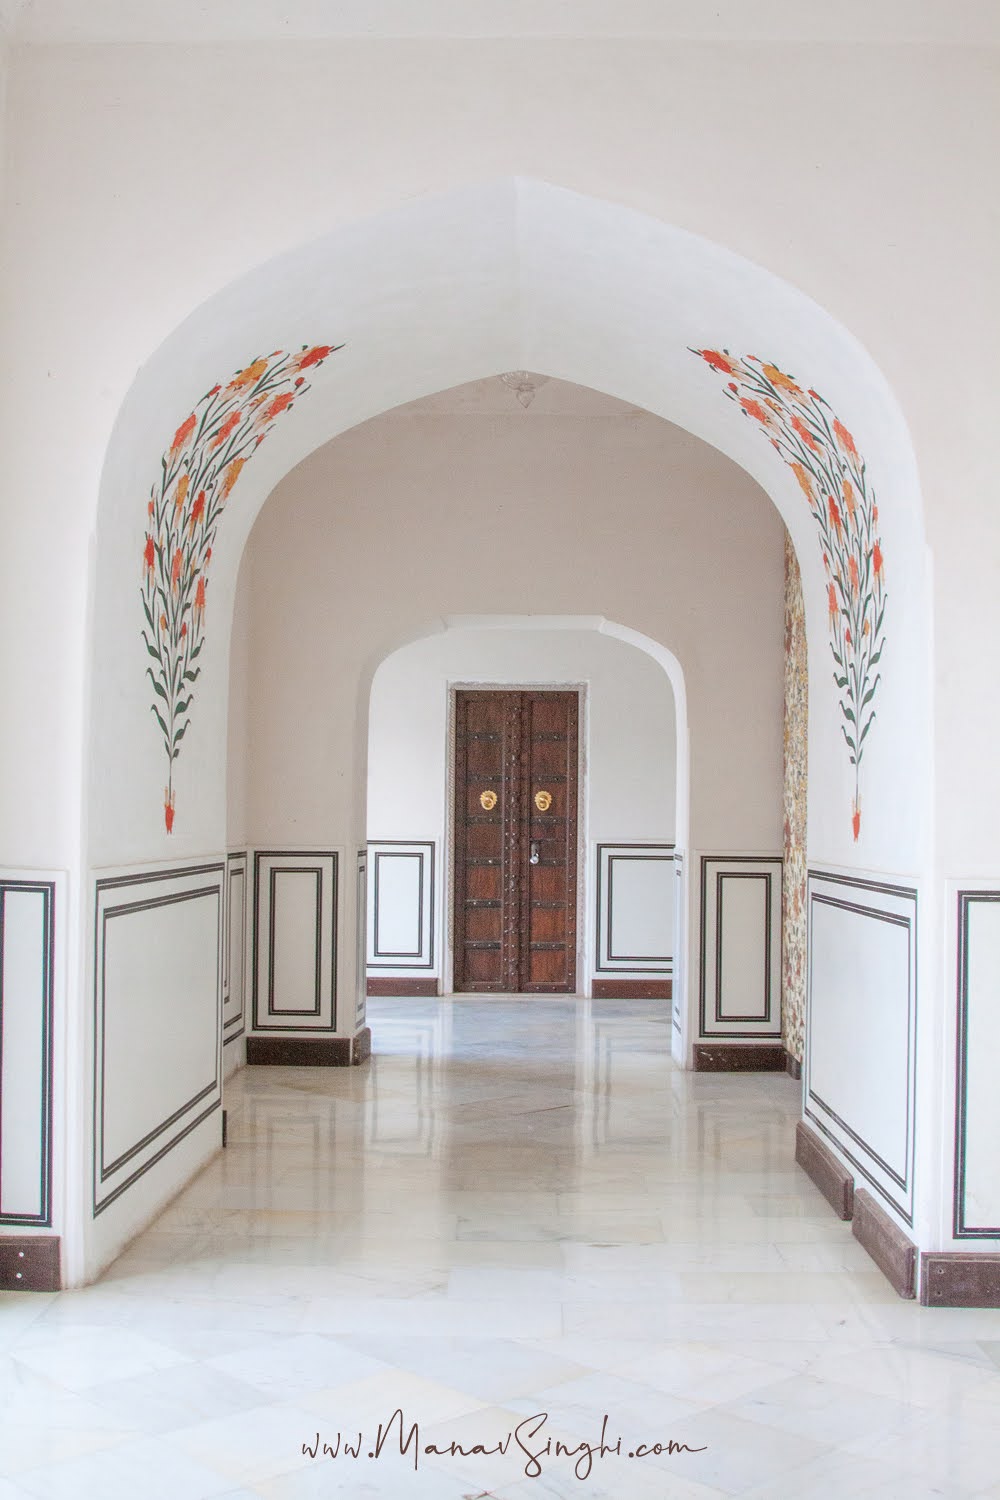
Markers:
point(968, 22)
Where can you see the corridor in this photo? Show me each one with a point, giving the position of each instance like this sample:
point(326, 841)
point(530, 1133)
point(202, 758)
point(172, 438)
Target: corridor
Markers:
point(518, 1207)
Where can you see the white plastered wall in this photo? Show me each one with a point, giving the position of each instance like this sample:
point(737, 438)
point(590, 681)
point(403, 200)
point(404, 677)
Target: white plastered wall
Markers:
point(113, 139)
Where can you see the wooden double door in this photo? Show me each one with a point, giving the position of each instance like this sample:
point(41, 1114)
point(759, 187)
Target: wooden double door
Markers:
point(516, 798)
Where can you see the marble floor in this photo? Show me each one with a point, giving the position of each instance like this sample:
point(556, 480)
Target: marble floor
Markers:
point(517, 1220)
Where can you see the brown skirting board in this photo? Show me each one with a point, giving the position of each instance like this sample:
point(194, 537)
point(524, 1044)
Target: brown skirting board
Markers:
point(888, 1246)
point(410, 986)
point(830, 1176)
point(959, 1278)
point(793, 1066)
point(307, 1051)
point(30, 1263)
point(738, 1057)
point(633, 989)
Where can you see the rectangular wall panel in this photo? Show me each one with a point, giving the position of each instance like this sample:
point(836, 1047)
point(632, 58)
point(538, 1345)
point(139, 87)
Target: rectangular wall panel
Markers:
point(977, 1122)
point(680, 974)
point(401, 907)
point(361, 932)
point(27, 928)
point(740, 986)
point(234, 949)
point(635, 909)
point(295, 941)
point(157, 1017)
point(859, 1073)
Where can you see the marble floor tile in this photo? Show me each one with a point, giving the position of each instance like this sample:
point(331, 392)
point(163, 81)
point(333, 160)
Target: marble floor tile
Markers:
point(518, 1206)
point(149, 1468)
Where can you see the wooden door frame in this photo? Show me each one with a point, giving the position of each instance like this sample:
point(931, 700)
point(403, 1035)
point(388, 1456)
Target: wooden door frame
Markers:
point(582, 773)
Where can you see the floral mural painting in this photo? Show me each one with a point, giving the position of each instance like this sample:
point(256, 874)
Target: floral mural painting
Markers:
point(830, 471)
point(197, 473)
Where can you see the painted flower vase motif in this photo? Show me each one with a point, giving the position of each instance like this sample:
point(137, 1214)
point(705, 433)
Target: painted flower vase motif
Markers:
point(208, 453)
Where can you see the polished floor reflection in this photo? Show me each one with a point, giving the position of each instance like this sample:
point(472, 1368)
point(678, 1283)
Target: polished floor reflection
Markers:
point(518, 1207)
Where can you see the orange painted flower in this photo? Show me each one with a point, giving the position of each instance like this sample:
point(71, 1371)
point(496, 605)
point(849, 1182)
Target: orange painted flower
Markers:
point(230, 476)
point(844, 438)
point(834, 512)
point(249, 376)
point(853, 568)
point(805, 483)
point(149, 555)
point(877, 560)
point(175, 571)
point(804, 433)
point(781, 381)
point(168, 809)
point(314, 355)
point(715, 359)
point(856, 820)
point(831, 599)
point(278, 405)
point(754, 409)
point(182, 434)
point(849, 498)
point(163, 622)
point(233, 420)
point(198, 509)
point(199, 603)
point(180, 494)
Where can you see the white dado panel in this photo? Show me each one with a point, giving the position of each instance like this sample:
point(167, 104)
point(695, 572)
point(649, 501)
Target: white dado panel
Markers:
point(401, 905)
point(740, 989)
point(234, 949)
point(635, 909)
point(27, 930)
point(977, 1159)
point(157, 1018)
point(295, 941)
point(680, 968)
point(361, 930)
point(859, 1073)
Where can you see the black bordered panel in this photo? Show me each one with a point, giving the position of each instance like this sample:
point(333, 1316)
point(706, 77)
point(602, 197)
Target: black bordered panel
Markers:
point(361, 930)
point(116, 899)
point(381, 955)
point(235, 938)
point(716, 1022)
point(610, 958)
point(894, 906)
point(319, 1015)
point(963, 1227)
point(40, 1211)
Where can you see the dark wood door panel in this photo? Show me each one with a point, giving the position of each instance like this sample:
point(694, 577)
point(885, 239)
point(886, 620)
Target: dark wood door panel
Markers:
point(515, 856)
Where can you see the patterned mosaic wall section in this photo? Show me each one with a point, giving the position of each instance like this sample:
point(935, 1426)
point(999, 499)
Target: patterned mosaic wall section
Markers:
point(796, 753)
